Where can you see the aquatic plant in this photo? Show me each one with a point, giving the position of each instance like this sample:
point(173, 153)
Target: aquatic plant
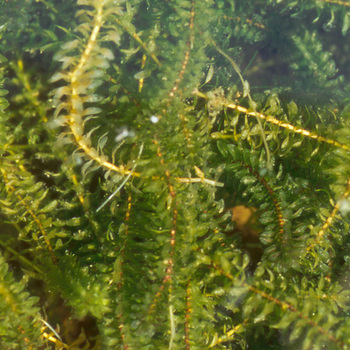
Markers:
point(174, 174)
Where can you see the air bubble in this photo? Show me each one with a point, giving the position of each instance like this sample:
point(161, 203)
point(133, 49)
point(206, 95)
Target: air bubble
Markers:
point(123, 133)
point(154, 119)
point(78, 160)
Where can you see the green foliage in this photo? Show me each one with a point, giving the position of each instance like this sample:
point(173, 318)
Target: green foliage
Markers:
point(20, 322)
point(135, 138)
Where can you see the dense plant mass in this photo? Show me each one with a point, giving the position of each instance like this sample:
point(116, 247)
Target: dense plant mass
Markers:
point(174, 174)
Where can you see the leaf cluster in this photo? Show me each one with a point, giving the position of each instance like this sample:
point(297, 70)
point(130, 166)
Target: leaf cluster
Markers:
point(134, 135)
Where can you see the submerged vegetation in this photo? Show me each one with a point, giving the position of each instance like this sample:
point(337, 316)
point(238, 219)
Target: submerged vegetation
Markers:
point(174, 174)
